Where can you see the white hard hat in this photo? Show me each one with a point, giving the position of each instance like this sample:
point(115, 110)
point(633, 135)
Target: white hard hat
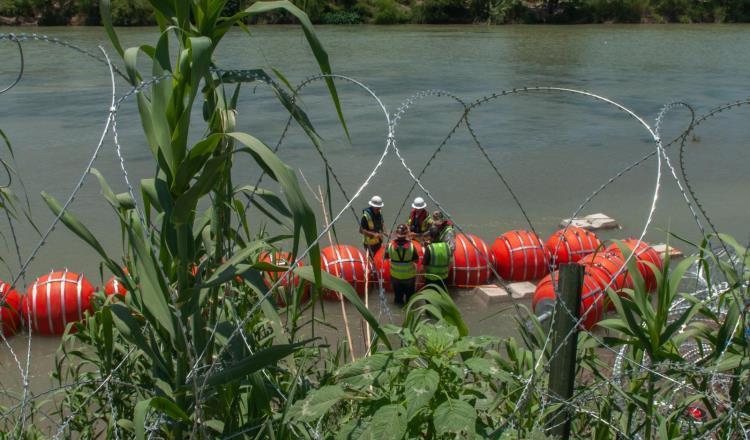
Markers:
point(419, 203)
point(376, 202)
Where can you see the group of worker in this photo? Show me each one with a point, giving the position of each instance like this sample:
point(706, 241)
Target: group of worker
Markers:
point(434, 231)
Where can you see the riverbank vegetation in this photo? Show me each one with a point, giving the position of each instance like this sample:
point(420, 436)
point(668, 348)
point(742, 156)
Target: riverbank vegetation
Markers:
point(140, 12)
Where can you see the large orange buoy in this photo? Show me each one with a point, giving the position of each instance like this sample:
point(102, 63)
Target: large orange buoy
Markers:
point(56, 299)
point(289, 281)
point(594, 300)
point(10, 309)
point(347, 263)
point(383, 267)
point(520, 256)
point(472, 262)
point(608, 269)
point(644, 254)
point(570, 245)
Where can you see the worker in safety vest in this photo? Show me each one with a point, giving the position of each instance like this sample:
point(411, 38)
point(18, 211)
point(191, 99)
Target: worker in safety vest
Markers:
point(436, 259)
point(446, 233)
point(371, 225)
point(418, 219)
point(403, 256)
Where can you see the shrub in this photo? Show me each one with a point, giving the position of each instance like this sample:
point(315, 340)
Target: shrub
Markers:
point(340, 17)
point(443, 11)
point(389, 12)
point(132, 13)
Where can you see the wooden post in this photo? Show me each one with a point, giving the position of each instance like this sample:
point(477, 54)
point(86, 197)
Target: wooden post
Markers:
point(563, 363)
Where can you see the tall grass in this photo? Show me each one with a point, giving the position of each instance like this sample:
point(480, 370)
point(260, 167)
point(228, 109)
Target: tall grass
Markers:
point(196, 348)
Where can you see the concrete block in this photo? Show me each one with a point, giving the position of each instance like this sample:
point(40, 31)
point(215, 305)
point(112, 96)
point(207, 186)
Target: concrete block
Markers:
point(492, 294)
point(592, 222)
point(522, 290)
point(674, 253)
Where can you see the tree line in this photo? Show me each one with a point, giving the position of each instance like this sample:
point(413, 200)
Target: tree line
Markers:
point(140, 13)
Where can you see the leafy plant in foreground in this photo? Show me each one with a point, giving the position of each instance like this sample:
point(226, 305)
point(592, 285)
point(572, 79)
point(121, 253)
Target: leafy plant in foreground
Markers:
point(195, 348)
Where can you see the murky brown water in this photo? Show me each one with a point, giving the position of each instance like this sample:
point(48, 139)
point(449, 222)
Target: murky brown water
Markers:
point(554, 150)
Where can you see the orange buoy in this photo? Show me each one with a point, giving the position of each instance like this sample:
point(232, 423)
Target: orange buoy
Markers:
point(594, 300)
point(348, 263)
point(519, 256)
point(114, 286)
point(607, 269)
point(570, 245)
point(10, 310)
point(55, 300)
point(383, 267)
point(472, 262)
point(289, 281)
point(645, 254)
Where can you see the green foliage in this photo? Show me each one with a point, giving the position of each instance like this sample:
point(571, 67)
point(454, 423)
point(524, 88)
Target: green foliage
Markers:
point(203, 350)
point(132, 13)
point(389, 12)
point(340, 17)
point(45, 12)
point(442, 11)
point(439, 383)
point(139, 12)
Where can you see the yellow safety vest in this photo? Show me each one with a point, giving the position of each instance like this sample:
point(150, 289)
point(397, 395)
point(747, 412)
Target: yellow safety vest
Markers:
point(369, 241)
point(402, 266)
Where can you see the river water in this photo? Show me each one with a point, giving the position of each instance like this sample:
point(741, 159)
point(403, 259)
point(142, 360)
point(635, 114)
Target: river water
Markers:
point(554, 149)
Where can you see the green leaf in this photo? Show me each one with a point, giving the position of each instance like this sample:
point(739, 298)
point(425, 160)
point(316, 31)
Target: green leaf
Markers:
point(320, 54)
point(159, 404)
point(185, 204)
point(153, 288)
point(74, 225)
point(317, 403)
point(267, 196)
point(365, 371)
point(338, 285)
point(251, 364)
point(196, 158)
point(419, 387)
point(304, 216)
point(455, 417)
point(488, 368)
point(388, 423)
point(106, 16)
point(443, 307)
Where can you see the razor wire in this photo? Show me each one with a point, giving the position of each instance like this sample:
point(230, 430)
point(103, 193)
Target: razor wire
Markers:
point(392, 142)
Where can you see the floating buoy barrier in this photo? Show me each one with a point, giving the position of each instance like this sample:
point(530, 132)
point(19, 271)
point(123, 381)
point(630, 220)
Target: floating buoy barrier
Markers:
point(645, 255)
point(594, 300)
point(608, 269)
point(114, 286)
point(56, 299)
point(348, 263)
point(472, 262)
point(10, 309)
point(289, 281)
point(570, 245)
point(519, 256)
point(383, 267)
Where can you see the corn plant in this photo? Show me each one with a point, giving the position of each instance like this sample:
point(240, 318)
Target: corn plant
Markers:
point(196, 347)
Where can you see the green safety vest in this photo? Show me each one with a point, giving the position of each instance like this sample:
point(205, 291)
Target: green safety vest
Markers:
point(440, 260)
point(445, 232)
point(402, 266)
point(369, 241)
